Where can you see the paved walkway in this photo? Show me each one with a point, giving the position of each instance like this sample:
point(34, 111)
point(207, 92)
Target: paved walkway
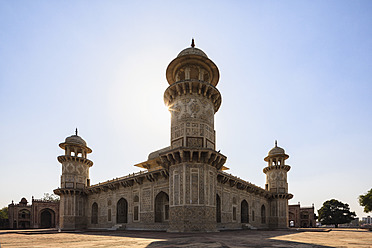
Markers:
point(244, 238)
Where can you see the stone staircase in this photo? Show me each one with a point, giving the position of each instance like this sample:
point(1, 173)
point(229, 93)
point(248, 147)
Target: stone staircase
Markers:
point(117, 227)
point(248, 226)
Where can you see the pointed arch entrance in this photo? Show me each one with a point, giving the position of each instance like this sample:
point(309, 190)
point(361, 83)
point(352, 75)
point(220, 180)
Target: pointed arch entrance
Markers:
point(24, 218)
point(244, 212)
point(263, 214)
point(122, 211)
point(218, 208)
point(47, 218)
point(161, 207)
point(94, 217)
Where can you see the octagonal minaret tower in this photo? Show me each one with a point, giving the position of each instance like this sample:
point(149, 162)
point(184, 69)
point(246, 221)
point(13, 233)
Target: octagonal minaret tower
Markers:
point(192, 99)
point(192, 161)
point(75, 177)
point(276, 183)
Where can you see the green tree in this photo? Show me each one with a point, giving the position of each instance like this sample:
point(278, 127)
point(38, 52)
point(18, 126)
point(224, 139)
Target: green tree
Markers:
point(50, 197)
point(366, 201)
point(4, 213)
point(334, 212)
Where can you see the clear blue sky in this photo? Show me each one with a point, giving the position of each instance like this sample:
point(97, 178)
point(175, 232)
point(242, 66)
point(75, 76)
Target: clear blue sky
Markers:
point(295, 71)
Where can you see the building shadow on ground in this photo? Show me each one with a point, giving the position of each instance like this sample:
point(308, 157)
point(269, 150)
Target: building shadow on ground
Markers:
point(244, 238)
point(238, 238)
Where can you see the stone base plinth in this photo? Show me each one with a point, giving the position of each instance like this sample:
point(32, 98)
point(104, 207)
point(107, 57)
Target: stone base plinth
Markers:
point(72, 223)
point(192, 219)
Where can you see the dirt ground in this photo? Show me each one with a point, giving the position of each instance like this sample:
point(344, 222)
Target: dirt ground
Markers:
point(242, 238)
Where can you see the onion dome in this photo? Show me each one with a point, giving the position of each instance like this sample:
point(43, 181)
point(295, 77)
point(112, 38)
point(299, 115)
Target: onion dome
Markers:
point(276, 151)
point(23, 201)
point(192, 51)
point(75, 140)
point(192, 57)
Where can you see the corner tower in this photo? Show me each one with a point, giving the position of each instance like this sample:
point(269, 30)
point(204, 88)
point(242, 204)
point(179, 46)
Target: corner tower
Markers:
point(192, 99)
point(192, 161)
point(75, 177)
point(276, 183)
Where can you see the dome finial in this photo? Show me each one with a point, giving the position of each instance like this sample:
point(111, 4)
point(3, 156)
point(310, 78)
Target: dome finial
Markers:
point(76, 132)
point(276, 143)
point(192, 42)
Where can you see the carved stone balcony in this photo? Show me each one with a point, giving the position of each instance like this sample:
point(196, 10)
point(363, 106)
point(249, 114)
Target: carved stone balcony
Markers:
point(66, 158)
point(276, 167)
point(193, 86)
point(193, 155)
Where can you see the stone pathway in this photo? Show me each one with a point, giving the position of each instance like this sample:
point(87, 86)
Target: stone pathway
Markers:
point(243, 238)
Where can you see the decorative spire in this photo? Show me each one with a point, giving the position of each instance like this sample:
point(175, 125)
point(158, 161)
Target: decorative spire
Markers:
point(192, 43)
point(276, 143)
point(76, 132)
